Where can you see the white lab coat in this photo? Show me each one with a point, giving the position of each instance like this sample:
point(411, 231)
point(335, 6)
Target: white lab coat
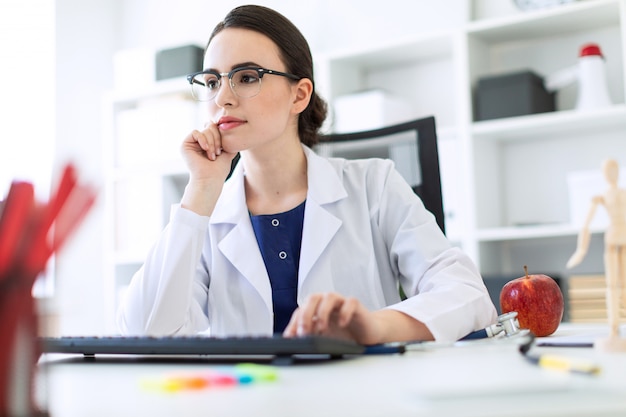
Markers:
point(364, 231)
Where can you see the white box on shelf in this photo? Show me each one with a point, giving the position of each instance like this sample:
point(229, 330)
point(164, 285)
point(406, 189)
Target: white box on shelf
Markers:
point(367, 110)
point(582, 187)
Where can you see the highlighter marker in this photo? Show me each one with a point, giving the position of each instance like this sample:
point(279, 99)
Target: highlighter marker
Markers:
point(565, 364)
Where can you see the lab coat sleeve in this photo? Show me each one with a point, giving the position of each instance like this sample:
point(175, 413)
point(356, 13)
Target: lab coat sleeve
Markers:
point(445, 289)
point(168, 295)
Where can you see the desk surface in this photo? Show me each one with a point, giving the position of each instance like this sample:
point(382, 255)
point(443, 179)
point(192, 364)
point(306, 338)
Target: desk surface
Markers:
point(476, 379)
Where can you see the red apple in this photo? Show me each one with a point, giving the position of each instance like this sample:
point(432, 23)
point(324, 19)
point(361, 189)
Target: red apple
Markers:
point(538, 301)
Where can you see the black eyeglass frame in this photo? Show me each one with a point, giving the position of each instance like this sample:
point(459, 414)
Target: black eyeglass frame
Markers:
point(230, 74)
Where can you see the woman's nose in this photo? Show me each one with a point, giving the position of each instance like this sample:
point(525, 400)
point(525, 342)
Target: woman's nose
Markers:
point(225, 95)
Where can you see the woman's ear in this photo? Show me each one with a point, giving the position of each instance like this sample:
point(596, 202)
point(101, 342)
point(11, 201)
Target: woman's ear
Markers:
point(303, 91)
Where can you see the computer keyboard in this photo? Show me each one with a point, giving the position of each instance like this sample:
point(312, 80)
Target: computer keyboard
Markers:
point(199, 345)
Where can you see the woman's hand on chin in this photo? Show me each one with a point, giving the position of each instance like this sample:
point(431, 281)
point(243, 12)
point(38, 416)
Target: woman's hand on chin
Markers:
point(204, 155)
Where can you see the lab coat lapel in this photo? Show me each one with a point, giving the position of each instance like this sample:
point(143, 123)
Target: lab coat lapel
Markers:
point(240, 247)
point(320, 225)
point(239, 244)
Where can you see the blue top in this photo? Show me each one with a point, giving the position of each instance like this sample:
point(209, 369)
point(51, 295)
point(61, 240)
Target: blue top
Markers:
point(280, 237)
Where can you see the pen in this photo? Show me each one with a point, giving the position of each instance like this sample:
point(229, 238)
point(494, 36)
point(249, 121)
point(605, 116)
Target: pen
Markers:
point(565, 344)
point(556, 362)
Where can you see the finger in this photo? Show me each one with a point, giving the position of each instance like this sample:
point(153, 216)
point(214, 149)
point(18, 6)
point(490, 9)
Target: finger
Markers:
point(197, 138)
point(291, 328)
point(215, 144)
point(328, 307)
point(308, 315)
point(206, 140)
point(347, 311)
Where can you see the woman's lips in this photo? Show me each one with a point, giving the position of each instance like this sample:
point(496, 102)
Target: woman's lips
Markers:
point(228, 123)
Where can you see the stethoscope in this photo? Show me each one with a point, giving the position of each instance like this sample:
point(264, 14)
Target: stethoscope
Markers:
point(506, 326)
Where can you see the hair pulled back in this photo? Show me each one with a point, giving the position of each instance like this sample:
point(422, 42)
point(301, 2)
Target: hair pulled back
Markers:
point(295, 53)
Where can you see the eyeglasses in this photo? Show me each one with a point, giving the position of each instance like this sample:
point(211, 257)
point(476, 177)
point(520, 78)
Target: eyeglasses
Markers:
point(245, 82)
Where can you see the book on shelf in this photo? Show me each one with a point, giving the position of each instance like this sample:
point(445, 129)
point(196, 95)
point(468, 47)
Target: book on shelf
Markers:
point(587, 299)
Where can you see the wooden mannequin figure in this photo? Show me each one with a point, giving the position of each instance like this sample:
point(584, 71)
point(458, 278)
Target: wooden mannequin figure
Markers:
point(614, 201)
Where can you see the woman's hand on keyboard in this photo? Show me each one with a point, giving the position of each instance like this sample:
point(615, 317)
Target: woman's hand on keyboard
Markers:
point(333, 315)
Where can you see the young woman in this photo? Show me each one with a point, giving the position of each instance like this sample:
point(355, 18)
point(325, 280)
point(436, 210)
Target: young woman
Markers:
point(293, 243)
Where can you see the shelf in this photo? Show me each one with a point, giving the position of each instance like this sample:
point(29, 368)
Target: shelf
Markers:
point(554, 21)
point(529, 232)
point(401, 52)
point(567, 122)
point(407, 69)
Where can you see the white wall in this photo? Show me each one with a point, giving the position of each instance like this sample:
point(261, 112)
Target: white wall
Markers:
point(89, 33)
point(86, 41)
point(27, 116)
point(327, 24)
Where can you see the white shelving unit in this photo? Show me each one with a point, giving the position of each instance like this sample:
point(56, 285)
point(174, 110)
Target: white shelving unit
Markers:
point(511, 189)
point(520, 165)
point(145, 173)
point(504, 180)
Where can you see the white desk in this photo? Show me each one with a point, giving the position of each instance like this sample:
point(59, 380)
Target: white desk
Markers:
point(483, 379)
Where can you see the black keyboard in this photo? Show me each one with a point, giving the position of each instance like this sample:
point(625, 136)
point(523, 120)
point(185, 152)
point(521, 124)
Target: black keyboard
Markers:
point(198, 345)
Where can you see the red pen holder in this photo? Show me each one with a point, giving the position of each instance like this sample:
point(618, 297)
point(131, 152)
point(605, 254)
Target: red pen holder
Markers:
point(26, 245)
point(19, 349)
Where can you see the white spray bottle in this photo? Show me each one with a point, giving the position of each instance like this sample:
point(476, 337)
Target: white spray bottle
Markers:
point(590, 72)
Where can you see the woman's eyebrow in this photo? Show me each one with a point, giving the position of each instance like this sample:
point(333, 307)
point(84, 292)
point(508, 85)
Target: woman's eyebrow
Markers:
point(245, 64)
point(239, 65)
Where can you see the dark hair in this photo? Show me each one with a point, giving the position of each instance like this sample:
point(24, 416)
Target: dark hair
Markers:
point(294, 51)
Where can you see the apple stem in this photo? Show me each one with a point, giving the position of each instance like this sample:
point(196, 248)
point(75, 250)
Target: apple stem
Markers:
point(526, 270)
